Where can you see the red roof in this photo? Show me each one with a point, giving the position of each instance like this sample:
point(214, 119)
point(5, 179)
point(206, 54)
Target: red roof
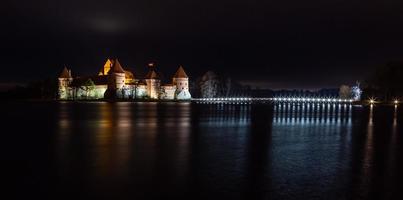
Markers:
point(152, 75)
point(180, 73)
point(116, 67)
point(65, 73)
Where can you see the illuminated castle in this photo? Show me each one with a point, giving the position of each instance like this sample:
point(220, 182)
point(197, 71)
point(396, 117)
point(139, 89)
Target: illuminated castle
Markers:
point(113, 82)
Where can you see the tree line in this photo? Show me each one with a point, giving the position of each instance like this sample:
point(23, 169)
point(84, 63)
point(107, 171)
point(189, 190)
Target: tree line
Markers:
point(385, 83)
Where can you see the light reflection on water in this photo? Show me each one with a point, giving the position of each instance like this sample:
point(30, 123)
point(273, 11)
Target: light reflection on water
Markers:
point(308, 114)
point(280, 151)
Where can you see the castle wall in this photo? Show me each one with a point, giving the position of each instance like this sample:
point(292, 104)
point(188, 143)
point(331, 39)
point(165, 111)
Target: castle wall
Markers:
point(123, 86)
point(63, 93)
point(99, 92)
point(96, 93)
point(167, 92)
point(141, 92)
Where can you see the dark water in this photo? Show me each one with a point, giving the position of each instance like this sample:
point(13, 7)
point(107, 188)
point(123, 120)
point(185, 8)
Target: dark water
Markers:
point(182, 150)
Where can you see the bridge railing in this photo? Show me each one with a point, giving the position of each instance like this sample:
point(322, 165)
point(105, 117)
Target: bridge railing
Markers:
point(272, 99)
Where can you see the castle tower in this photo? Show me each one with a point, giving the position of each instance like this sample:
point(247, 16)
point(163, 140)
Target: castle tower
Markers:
point(181, 81)
point(153, 84)
point(64, 82)
point(116, 76)
point(107, 67)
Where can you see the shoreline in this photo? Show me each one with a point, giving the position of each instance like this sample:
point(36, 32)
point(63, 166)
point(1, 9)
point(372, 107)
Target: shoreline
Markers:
point(359, 103)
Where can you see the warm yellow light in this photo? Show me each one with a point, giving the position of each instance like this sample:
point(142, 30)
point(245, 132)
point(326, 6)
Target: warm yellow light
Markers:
point(107, 67)
point(396, 101)
point(371, 101)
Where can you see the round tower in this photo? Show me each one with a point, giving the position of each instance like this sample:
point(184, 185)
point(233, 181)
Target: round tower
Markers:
point(116, 77)
point(65, 79)
point(153, 84)
point(181, 81)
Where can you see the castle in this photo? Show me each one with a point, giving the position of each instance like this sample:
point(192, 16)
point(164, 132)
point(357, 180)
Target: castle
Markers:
point(113, 82)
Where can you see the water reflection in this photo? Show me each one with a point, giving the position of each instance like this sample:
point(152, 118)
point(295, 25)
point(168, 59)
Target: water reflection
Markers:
point(276, 151)
point(226, 115)
point(309, 141)
point(116, 141)
point(365, 177)
point(291, 114)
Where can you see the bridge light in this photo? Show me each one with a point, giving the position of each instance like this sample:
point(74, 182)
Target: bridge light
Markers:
point(371, 100)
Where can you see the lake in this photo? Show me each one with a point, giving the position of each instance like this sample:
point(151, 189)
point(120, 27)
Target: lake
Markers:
point(149, 150)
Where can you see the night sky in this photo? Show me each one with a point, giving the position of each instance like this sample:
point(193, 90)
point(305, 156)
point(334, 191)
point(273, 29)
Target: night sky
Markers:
point(270, 44)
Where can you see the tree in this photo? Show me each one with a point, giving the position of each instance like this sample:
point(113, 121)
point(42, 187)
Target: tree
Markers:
point(209, 85)
point(228, 84)
point(386, 82)
point(88, 87)
point(345, 92)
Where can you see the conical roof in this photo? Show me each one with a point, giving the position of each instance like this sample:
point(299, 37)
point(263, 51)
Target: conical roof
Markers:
point(65, 73)
point(152, 75)
point(116, 67)
point(180, 73)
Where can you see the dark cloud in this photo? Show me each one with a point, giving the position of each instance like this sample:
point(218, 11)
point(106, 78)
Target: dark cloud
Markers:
point(296, 43)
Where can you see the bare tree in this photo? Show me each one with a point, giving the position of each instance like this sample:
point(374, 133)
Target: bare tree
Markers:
point(209, 85)
point(345, 92)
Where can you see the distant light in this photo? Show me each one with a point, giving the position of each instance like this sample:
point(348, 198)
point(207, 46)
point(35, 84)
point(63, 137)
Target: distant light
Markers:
point(371, 101)
point(396, 101)
point(151, 64)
